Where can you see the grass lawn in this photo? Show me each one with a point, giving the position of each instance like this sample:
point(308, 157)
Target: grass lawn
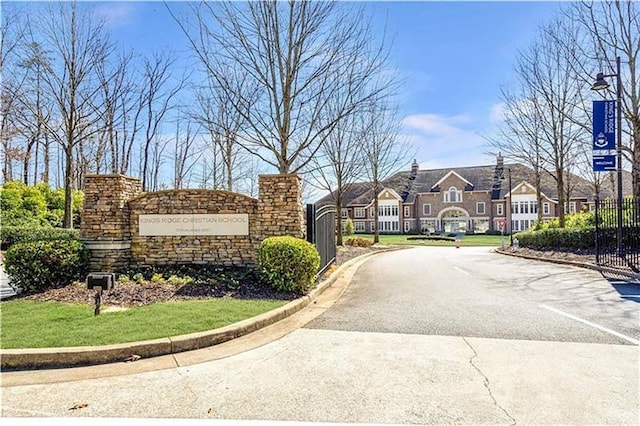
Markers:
point(32, 324)
point(467, 240)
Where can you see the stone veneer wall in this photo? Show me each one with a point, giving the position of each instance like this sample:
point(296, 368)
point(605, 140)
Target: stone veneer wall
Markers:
point(280, 206)
point(198, 249)
point(104, 226)
point(114, 203)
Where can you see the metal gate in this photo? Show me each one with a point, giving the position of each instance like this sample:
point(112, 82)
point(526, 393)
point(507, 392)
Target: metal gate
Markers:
point(321, 231)
point(618, 234)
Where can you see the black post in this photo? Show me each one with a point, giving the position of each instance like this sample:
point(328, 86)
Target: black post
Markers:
point(510, 210)
point(311, 223)
point(597, 242)
point(619, 155)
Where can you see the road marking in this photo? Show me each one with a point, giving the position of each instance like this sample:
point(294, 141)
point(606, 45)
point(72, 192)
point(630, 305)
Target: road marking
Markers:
point(461, 270)
point(590, 324)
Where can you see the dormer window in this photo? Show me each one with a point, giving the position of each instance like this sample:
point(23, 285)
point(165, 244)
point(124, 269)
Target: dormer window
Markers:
point(453, 195)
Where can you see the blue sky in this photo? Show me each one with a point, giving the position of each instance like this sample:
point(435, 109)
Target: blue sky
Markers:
point(453, 57)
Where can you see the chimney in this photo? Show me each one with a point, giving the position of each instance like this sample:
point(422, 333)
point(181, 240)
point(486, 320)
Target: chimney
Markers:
point(414, 168)
point(500, 161)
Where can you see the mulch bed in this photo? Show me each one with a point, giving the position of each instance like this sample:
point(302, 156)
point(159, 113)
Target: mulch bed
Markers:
point(132, 294)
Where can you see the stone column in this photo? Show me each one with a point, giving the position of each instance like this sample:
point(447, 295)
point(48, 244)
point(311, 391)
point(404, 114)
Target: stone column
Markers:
point(104, 226)
point(280, 210)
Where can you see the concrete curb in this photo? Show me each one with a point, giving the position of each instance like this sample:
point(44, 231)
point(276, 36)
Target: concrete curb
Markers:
point(37, 358)
point(591, 266)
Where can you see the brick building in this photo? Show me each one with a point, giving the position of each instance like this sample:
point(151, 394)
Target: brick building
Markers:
point(462, 199)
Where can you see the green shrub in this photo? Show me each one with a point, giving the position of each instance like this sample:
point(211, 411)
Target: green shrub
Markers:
point(34, 266)
point(358, 242)
point(431, 238)
point(348, 227)
point(288, 263)
point(558, 239)
point(10, 235)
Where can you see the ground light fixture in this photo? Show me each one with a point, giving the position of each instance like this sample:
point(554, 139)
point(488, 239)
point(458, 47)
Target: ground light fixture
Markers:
point(602, 84)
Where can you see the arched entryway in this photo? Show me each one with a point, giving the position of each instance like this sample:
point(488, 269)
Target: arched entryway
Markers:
point(454, 220)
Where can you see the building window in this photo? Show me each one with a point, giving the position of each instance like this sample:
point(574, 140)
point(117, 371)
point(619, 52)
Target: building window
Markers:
point(533, 206)
point(524, 207)
point(407, 211)
point(480, 207)
point(500, 209)
point(572, 207)
point(426, 209)
point(523, 225)
point(545, 208)
point(358, 212)
point(345, 213)
point(373, 226)
point(453, 195)
point(359, 226)
point(372, 212)
point(514, 208)
point(407, 226)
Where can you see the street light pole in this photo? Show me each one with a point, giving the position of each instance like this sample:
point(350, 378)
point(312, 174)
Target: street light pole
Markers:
point(599, 85)
point(510, 210)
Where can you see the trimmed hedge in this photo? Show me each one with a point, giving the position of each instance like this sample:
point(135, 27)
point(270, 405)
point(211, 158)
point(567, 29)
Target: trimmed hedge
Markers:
point(558, 239)
point(288, 263)
point(10, 235)
point(358, 242)
point(431, 238)
point(34, 266)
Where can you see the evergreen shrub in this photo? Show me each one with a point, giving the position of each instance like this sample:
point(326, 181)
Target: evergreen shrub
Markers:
point(358, 242)
point(10, 235)
point(288, 263)
point(35, 266)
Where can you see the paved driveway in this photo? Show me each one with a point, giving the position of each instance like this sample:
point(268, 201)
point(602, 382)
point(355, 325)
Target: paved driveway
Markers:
point(425, 335)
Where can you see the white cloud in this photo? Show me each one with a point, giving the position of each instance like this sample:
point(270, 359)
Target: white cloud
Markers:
point(116, 14)
point(445, 141)
point(497, 113)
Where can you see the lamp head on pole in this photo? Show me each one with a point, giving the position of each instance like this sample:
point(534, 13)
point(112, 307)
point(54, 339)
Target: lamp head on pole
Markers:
point(600, 82)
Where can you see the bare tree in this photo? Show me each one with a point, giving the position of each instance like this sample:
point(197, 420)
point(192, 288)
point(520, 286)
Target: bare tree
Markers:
point(383, 150)
point(185, 152)
point(546, 72)
point(519, 134)
point(77, 42)
point(11, 34)
point(158, 98)
point(223, 124)
point(293, 52)
point(612, 28)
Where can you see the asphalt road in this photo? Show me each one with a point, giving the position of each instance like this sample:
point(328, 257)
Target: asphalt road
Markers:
point(475, 293)
point(422, 336)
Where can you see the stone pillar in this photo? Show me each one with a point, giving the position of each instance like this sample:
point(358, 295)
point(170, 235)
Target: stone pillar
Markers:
point(280, 210)
point(104, 226)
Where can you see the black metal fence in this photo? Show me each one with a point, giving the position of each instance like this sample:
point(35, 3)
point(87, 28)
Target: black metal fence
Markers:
point(618, 234)
point(321, 231)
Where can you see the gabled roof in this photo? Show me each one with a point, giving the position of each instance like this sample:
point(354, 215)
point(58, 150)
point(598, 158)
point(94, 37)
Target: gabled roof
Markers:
point(493, 179)
point(451, 173)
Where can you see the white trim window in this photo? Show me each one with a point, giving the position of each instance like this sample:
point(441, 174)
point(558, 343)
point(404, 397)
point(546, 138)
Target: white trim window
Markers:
point(480, 207)
point(407, 226)
point(572, 207)
point(359, 212)
point(545, 208)
point(453, 195)
point(426, 209)
point(372, 212)
point(407, 211)
point(345, 213)
point(373, 226)
point(500, 209)
point(359, 226)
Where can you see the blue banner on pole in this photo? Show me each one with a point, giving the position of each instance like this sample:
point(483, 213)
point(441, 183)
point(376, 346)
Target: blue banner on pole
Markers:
point(604, 163)
point(604, 125)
